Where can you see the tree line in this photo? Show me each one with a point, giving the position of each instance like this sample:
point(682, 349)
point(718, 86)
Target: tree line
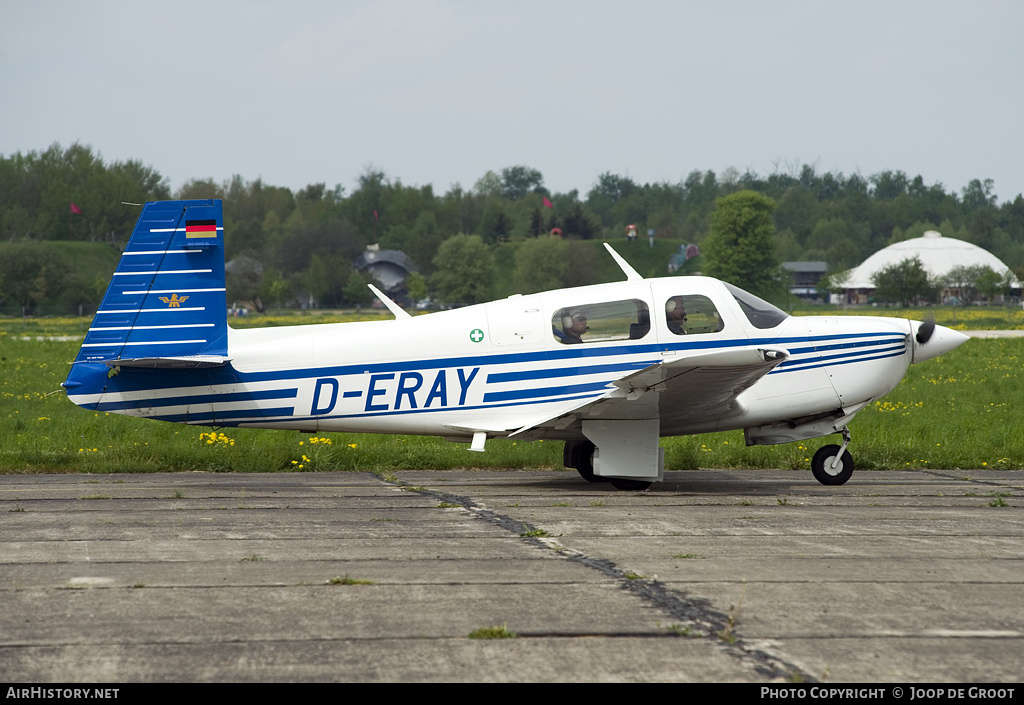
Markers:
point(285, 242)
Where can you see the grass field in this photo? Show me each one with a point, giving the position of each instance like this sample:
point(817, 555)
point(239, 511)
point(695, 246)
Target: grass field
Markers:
point(960, 410)
point(974, 318)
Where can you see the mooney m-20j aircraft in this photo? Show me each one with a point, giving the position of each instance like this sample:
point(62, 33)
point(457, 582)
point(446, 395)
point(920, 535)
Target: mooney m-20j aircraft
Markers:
point(609, 368)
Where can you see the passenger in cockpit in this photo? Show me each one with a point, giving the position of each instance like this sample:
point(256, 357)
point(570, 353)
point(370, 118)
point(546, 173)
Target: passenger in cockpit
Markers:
point(675, 315)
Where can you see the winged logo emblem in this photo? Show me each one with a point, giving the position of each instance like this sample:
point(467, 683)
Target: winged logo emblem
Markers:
point(175, 301)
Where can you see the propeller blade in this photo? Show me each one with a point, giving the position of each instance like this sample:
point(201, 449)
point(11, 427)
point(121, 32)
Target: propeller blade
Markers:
point(924, 333)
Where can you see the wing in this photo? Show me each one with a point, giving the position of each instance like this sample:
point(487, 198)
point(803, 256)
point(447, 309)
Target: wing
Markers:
point(698, 388)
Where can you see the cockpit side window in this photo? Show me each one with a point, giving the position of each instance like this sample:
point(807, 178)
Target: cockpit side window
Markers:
point(600, 322)
point(759, 312)
point(688, 314)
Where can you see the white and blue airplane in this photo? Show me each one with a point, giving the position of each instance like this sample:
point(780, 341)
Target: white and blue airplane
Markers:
point(608, 368)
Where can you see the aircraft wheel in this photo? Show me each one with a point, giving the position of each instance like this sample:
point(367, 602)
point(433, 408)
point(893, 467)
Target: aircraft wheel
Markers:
point(569, 453)
point(625, 484)
point(821, 466)
point(583, 461)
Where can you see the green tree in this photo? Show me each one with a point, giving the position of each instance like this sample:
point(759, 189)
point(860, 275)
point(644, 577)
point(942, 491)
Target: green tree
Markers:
point(463, 270)
point(584, 265)
point(903, 282)
point(797, 211)
point(834, 282)
point(315, 280)
point(416, 285)
point(26, 272)
point(488, 185)
point(366, 207)
point(356, 290)
point(578, 224)
point(961, 280)
point(978, 194)
point(741, 246)
point(275, 288)
point(541, 264)
point(517, 181)
point(991, 283)
point(243, 276)
point(338, 269)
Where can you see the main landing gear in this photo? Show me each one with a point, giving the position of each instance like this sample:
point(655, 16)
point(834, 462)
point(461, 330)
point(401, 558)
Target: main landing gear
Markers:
point(580, 455)
point(832, 464)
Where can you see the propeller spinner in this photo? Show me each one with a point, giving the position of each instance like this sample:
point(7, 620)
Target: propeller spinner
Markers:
point(931, 340)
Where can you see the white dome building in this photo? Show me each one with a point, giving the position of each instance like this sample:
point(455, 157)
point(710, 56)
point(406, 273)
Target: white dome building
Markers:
point(938, 255)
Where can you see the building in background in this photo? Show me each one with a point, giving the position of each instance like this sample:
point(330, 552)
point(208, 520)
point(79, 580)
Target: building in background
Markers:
point(938, 255)
point(804, 278)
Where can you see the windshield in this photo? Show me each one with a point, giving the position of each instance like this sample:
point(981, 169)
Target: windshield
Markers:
point(759, 312)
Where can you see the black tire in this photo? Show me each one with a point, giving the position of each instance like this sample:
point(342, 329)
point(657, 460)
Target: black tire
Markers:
point(580, 455)
point(585, 462)
point(569, 453)
point(823, 473)
point(627, 485)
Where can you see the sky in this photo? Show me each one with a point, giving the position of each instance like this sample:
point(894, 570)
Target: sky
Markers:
point(441, 91)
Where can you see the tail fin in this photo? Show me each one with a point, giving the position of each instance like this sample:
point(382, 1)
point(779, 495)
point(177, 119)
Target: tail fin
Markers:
point(166, 304)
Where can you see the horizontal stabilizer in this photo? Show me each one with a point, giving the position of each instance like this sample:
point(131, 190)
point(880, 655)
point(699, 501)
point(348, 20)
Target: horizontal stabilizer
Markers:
point(193, 362)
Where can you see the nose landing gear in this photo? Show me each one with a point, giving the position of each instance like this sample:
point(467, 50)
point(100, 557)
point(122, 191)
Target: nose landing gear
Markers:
point(832, 464)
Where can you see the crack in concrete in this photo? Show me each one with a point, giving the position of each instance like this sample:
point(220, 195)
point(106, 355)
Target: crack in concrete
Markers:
point(710, 623)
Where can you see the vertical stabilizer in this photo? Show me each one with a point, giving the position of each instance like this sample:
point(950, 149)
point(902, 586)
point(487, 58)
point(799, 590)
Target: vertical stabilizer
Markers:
point(166, 304)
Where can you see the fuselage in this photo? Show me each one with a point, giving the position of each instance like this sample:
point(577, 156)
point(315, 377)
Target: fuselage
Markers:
point(506, 364)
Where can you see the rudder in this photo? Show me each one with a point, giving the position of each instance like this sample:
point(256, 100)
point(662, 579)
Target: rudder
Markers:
point(166, 305)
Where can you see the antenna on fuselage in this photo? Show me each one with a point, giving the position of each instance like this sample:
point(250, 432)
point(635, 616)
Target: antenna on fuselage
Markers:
point(631, 274)
point(392, 306)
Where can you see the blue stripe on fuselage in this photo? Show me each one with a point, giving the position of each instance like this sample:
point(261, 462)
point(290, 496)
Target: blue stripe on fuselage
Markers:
point(397, 413)
point(226, 398)
point(552, 372)
point(137, 379)
point(224, 418)
point(815, 363)
point(862, 346)
point(861, 354)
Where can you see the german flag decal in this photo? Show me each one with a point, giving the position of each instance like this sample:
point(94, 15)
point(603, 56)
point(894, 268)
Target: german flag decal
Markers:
point(200, 228)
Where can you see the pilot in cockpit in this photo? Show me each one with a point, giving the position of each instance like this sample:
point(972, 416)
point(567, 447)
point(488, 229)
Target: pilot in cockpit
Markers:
point(574, 325)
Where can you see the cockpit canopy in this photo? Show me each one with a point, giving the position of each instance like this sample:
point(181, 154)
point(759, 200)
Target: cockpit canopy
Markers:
point(759, 312)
